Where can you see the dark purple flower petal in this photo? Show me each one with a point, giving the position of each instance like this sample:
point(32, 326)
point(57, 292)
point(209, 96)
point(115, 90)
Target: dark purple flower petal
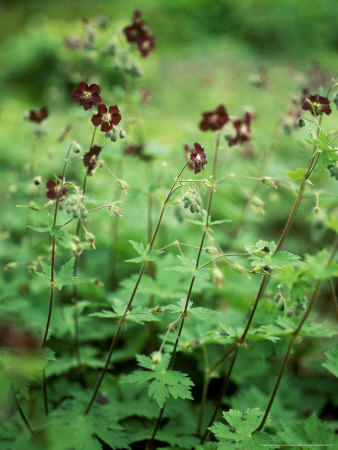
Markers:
point(214, 120)
point(97, 120)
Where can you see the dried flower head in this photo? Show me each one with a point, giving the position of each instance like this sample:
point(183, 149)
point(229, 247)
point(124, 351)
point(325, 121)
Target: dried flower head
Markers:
point(107, 118)
point(214, 120)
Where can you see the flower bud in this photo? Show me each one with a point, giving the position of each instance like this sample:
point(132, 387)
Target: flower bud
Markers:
point(301, 122)
point(122, 134)
point(12, 265)
point(84, 214)
point(37, 180)
point(238, 268)
point(76, 147)
point(113, 137)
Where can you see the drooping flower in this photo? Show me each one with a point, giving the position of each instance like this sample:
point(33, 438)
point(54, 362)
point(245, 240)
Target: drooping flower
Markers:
point(38, 116)
point(243, 130)
point(54, 188)
point(214, 120)
point(87, 96)
point(136, 33)
point(107, 118)
point(188, 150)
point(317, 105)
point(90, 159)
point(147, 44)
point(198, 157)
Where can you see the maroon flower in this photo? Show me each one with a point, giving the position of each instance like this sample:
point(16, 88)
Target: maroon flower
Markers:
point(54, 188)
point(18, 339)
point(243, 130)
point(108, 118)
point(38, 116)
point(188, 150)
point(214, 120)
point(147, 44)
point(136, 33)
point(87, 96)
point(90, 158)
point(317, 105)
point(198, 157)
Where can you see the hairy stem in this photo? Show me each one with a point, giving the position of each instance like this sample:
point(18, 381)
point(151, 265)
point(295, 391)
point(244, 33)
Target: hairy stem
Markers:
point(192, 282)
point(51, 297)
point(122, 320)
point(22, 414)
point(292, 339)
point(262, 288)
point(333, 297)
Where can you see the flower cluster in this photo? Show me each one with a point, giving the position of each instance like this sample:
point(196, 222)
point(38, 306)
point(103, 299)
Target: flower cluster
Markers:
point(90, 159)
point(317, 105)
point(38, 116)
point(54, 188)
point(136, 33)
point(87, 96)
point(106, 117)
point(214, 120)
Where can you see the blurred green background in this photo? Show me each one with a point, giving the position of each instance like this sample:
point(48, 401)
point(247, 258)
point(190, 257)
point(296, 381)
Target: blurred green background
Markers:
point(207, 53)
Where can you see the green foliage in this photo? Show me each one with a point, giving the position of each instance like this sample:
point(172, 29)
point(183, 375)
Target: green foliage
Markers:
point(144, 253)
point(311, 432)
point(65, 275)
point(264, 256)
point(163, 383)
point(331, 363)
point(240, 431)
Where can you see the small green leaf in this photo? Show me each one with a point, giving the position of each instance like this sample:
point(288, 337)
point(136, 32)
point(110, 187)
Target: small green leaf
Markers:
point(297, 174)
point(163, 383)
point(331, 363)
point(241, 430)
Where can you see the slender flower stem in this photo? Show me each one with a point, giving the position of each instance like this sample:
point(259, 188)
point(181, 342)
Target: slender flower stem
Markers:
point(333, 297)
point(262, 288)
point(293, 337)
point(50, 308)
point(192, 282)
point(22, 414)
point(123, 318)
point(75, 290)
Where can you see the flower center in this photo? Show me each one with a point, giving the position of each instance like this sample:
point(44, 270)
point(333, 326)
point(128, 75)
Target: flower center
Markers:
point(106, 117)
point(87, 96)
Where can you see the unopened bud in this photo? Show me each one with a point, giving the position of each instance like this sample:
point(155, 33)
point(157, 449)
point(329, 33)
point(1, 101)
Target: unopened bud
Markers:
point(76, 147)
point(301, 122)
point(12, 265)
point(37, 180)
point(238, 268)
point(122, 134)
